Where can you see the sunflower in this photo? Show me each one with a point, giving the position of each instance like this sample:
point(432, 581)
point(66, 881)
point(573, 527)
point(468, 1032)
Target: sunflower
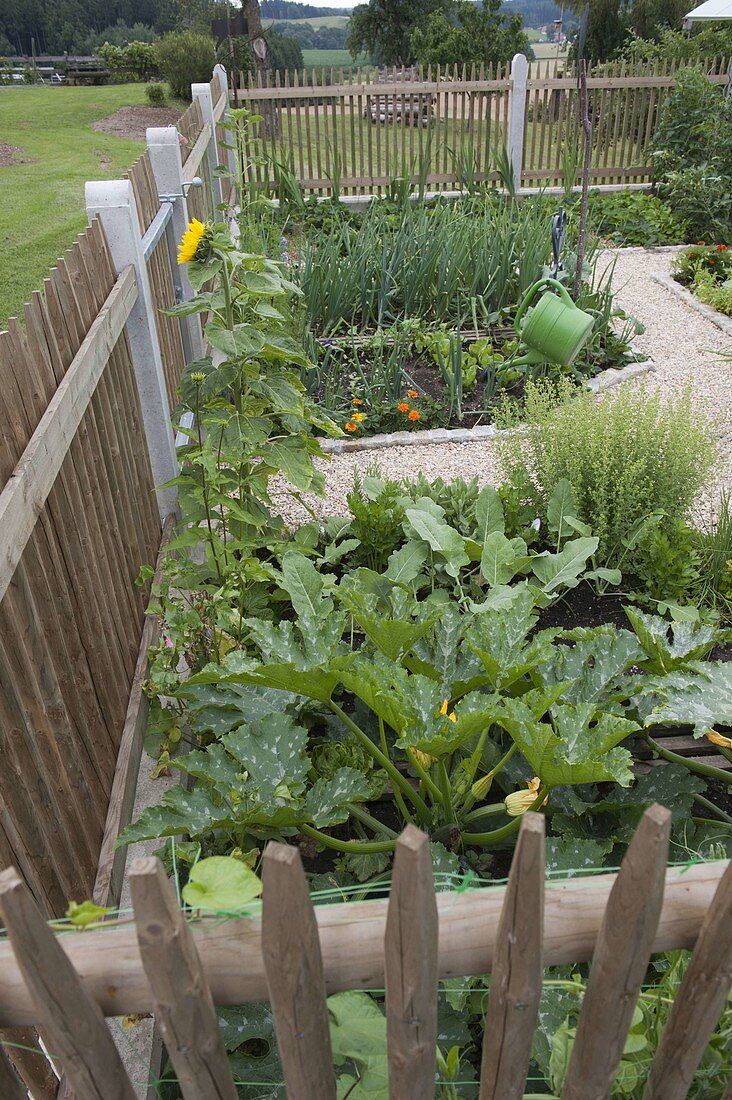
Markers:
point(191, 240)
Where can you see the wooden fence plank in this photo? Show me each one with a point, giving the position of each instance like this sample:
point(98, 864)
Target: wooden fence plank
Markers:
point(410, 967)
point(701, 997)
point(515, 989)
point(33, 478)
point(111, 866)
point(184, 1009)
point(70, 1020)
point(10, 1086)
point(31, 1064)
point(294, 970)
point(620, 959)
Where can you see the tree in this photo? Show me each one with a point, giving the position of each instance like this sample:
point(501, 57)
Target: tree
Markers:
point(470, 34)
point(384, 28)
point(611, 22)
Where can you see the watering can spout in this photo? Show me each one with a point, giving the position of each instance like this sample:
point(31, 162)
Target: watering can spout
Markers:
point(556, 330)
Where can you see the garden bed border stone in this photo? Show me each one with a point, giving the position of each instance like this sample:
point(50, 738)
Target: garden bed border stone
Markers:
point(670, 284)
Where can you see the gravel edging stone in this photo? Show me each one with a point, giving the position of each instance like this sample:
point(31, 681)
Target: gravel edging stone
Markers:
point(670, 284)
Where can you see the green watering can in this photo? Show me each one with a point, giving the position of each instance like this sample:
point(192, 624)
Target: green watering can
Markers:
point(555, 331)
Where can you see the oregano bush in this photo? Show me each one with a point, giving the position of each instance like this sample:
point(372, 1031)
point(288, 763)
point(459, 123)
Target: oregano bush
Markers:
point(630, 458)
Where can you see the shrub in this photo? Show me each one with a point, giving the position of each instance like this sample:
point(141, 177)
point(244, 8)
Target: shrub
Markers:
point(627, 456)
point(186, 59)
point(714, 258)
point(714, 294)
point(635, 218)
point(692, 156)
point(135, 61)
point(155, 95)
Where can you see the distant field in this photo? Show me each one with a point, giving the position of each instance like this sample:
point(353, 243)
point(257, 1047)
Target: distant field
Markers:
point(43, 199)
point(323, 21)
point(336, 59)
point(544, 50)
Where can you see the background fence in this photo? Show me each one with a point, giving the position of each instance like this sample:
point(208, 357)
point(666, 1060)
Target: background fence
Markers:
point(86, 389)
point(443, 128)
point(180, 965)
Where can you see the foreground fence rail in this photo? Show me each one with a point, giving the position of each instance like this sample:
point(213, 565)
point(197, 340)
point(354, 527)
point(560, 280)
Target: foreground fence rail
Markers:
point(179, 966)
point(442, 128)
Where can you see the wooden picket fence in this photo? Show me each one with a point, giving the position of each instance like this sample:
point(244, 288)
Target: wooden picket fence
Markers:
point(86, 389)
point(179, 966)
point(358, 131)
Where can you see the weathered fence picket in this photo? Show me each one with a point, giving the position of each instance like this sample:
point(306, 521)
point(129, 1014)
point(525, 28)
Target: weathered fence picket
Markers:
point(86, 390)
point(178, 965)
point(364, 131)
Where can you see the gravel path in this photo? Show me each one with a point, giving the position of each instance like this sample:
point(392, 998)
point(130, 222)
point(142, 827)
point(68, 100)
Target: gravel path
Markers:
point(685, 347)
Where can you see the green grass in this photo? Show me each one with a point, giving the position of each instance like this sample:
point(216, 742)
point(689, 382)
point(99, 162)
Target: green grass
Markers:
point(323, 21)
point(43, 201)
point(335, 59)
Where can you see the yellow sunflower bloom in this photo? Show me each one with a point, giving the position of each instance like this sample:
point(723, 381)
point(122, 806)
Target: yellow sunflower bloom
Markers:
point(191, 240)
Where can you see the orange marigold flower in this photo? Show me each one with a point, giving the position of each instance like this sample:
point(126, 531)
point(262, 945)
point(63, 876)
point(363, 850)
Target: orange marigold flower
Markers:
point(403, 407)
point(412, 393)
point(357, 417)
point(701, 242)
point(350, 426)
point(414, 415)
point(721, 248)
point(357, 401)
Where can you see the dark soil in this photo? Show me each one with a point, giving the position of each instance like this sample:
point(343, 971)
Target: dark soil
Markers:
point(12, 154)
point(132, 122)
point(583, 607)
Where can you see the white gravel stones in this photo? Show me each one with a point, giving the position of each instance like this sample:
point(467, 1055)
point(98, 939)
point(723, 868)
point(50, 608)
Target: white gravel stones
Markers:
point(686, 349)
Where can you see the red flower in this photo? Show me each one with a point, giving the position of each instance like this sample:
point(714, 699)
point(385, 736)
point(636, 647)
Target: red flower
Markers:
point(721, 248)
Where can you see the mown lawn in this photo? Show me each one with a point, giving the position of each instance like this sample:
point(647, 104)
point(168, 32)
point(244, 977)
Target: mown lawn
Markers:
point(42, 205)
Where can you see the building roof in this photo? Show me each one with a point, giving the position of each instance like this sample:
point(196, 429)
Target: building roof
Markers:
point(712, 9)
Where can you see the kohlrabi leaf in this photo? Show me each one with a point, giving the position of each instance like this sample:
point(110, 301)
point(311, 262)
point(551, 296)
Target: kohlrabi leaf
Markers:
point(563, 570)
point(304, 585)
point(488, 514)
point(501, 558)
point(439, 536)
point(405, 565)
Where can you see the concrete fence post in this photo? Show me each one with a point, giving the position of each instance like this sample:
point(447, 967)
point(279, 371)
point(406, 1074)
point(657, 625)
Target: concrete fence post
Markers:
point(163, 149)
point(230, 153)
point(202, 94)
point(517, 114)
point(114, 202)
